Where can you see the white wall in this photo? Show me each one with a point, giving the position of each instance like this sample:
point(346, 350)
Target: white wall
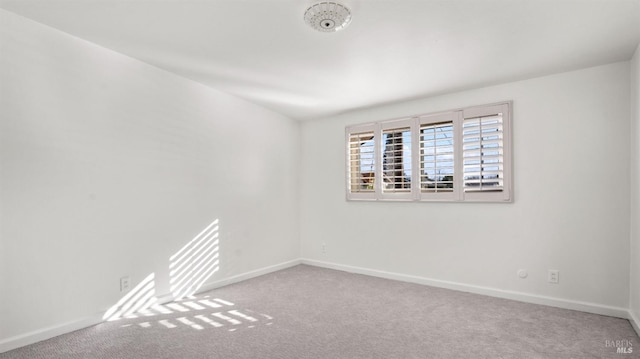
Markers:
point(571, 209)
point(109, 166)
point(635, 189)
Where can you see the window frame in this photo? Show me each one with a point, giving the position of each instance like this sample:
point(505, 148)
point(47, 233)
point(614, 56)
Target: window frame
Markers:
point(456, 118)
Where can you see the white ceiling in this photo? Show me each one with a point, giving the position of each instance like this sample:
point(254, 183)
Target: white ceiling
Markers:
point(393, 50)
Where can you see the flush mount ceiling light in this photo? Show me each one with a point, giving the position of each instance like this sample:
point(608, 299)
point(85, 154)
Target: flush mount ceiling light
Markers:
point(327, 16)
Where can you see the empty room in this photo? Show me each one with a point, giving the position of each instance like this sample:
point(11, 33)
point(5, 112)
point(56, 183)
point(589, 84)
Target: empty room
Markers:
point(312, 179)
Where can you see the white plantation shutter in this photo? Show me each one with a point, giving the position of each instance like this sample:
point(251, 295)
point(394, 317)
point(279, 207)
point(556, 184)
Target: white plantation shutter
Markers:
point(437, 157)
point(361, 162)
point(396, 160)
point(484, 153)
point(459, 155)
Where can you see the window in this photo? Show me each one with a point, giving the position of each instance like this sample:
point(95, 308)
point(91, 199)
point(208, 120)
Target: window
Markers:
point(459, 155)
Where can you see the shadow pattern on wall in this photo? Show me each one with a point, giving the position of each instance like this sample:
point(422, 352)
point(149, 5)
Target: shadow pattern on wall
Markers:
point(141, 297)
point(189, 269)
point(194, 263)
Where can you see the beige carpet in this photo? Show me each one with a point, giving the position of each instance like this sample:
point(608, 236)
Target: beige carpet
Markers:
point(308, 312)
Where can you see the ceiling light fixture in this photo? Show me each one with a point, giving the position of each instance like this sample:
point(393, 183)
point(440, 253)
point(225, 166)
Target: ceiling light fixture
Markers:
point(327, 16)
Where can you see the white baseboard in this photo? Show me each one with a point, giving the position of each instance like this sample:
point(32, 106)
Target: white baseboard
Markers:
point(47, 333)
point(635, 322)
point(248, 275)
point(56, 330)
point(493, 292)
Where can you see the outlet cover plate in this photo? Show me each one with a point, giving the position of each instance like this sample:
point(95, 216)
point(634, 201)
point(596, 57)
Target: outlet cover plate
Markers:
point(125, 283)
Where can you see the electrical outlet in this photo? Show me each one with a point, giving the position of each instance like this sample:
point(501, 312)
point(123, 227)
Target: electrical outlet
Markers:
point(324, 248)
point(522, 273)
point(553, 276)
point(124, 284)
